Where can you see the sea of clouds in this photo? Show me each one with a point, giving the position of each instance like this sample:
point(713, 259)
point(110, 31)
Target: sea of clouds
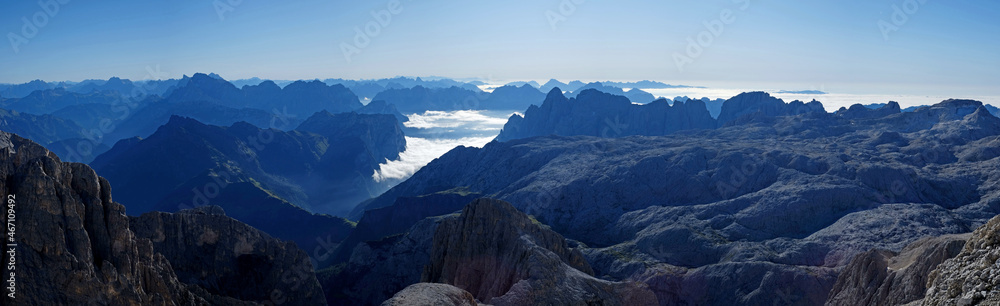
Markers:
point(434, 133)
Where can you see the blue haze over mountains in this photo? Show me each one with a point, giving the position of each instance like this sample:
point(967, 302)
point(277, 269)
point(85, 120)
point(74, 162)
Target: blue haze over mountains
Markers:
point(613, 193)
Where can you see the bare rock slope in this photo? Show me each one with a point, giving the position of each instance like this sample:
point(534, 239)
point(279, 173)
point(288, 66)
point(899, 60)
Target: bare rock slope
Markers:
point(972, 277)
point(75, 246)
point(504, 257)
point(883, 277)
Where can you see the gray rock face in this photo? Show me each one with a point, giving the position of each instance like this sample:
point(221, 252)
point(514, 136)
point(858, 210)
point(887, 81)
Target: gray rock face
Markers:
point(428, 294)
point(401, 216)
point(762, 103)
point(74, 245)
point(972, 277)
point(229, 258)
point(858, 111)
point(797, 196)
point(378, 269)
point(504, 257)
point(883, 277)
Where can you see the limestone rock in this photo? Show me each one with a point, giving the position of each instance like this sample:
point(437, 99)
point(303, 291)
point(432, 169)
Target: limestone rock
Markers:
point(883, 277)
point(229, 258)
point(972, 277)
point(74, 245)
point(504, 257)
point(429, 294)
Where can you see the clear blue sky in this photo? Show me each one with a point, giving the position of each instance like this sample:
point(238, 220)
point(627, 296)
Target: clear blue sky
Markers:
point(945, 47)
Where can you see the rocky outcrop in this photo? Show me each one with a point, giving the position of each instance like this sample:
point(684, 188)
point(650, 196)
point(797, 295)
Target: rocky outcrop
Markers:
point(229, 258)
point(429, 294)
point(601, 114)
point(504, 257)
point(378, 269)
point(396, 219)
point(74, 245)
point(859, 111)
point(972, 277)
point(883, 277)
point(595, 113)
point(763, 104)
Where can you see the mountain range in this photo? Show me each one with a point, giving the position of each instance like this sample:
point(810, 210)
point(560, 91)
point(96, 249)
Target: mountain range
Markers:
point(227, 195)
point(601, 114)
point(307, 176)
point(774, 202)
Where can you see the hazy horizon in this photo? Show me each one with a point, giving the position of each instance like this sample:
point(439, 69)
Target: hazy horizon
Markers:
point(860, 47)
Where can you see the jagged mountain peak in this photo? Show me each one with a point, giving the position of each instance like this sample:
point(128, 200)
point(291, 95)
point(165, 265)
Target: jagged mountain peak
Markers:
point(554, 92)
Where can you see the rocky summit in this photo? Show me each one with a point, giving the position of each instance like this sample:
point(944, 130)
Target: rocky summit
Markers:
point(229, 258)
point(504, 257)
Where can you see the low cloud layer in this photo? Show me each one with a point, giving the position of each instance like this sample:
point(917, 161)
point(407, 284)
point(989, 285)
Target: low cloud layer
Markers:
point(463, 119)
point(419, 152)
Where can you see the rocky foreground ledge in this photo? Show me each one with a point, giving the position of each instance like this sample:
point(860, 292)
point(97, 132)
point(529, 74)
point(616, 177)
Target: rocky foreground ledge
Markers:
point(75, 245)
point(945, 270)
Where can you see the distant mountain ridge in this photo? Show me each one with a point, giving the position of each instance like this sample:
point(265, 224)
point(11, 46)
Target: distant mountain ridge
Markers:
point(596, 113)
point(300, 97)
point(634, 94)
point(324, 165)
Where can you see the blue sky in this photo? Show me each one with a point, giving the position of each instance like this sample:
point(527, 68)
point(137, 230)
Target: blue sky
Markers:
point(944, 47)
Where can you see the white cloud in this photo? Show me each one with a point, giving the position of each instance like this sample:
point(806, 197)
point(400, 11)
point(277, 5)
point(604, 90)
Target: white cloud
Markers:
point(419, 152)
point(464, 119)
